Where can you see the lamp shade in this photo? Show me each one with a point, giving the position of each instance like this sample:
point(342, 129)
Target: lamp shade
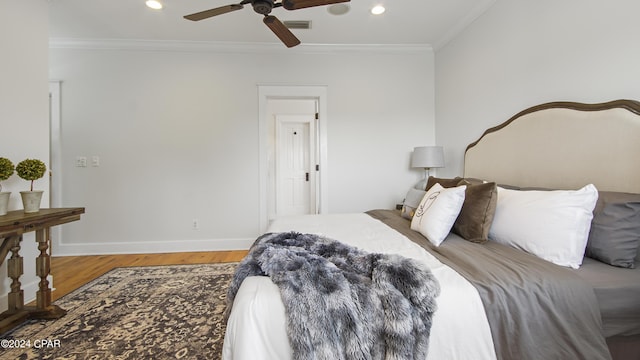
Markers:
point(427, 157)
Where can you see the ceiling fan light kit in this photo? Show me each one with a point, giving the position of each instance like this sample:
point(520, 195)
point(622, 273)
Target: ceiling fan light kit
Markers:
point(264, 7)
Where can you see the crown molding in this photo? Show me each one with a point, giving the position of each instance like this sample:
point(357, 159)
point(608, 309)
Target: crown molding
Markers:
point(230, 47)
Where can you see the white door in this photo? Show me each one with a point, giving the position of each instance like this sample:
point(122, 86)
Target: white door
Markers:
point(295, 165)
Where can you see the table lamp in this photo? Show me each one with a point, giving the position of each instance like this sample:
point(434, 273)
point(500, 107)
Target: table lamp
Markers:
point(427, 157)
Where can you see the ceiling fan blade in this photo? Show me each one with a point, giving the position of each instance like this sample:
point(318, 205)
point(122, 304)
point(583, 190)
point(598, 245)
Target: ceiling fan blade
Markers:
point(213, 12)
point(281, 31)
point(301, 4)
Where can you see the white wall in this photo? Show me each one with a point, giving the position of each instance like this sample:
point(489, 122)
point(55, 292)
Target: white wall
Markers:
point(523, 53)
point(177, 137)
point(24, 109)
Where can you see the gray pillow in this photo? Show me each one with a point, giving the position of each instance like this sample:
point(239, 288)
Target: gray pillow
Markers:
point(615, 229)
point(411, 202)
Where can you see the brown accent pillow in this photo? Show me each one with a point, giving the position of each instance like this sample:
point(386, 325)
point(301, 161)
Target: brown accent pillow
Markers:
point(475, 218)
point(474, 181)
point(445, 183)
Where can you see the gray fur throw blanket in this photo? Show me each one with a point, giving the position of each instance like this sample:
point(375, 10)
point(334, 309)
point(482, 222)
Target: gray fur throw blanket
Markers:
point(344, 303)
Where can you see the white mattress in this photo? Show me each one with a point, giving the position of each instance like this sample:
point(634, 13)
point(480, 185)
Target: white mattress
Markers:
point(256, 326)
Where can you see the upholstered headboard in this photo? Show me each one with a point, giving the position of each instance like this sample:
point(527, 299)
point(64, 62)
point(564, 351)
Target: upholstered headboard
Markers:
point(562, 145)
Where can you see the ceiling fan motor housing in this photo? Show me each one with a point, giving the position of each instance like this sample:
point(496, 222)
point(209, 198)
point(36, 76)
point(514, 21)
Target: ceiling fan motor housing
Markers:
point(262, 6)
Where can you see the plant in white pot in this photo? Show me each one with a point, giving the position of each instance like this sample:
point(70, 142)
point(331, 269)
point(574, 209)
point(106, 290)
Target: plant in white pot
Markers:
point(32, 170)
point(6, 170)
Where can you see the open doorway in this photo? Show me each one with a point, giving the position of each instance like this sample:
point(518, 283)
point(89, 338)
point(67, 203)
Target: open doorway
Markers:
point(293, 164)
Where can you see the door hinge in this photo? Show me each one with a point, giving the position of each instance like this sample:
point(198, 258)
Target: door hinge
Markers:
point(317, 116)
point(317, 167)
point(306, 176)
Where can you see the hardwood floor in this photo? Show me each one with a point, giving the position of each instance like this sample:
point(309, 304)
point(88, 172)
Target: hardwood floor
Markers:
point(71, 272)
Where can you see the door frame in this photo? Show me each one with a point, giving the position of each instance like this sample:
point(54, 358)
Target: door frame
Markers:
point(292, 92)
point(55, 156)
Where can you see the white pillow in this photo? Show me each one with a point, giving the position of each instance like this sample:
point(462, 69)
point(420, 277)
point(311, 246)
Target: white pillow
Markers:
point(553, 225)
point(437, 212)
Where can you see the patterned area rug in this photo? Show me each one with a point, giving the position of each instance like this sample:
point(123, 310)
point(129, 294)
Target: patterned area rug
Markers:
point(153, 312)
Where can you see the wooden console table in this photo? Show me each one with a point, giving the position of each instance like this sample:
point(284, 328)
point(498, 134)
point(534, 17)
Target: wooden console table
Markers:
point(12, 226)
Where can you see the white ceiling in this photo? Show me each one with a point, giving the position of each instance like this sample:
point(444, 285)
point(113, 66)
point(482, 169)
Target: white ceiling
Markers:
point(408, 22)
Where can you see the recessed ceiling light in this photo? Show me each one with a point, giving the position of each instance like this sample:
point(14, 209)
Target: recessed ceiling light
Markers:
point(154, 4)
point(338, 9)
point(377, 10)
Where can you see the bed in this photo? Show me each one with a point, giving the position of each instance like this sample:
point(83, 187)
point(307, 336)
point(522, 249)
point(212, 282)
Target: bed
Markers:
point(541, 259)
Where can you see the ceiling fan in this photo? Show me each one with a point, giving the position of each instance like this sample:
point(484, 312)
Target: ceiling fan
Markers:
point(264, 7)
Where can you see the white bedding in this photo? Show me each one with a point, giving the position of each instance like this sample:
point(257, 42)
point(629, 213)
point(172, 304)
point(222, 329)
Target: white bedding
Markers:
point(256, 326)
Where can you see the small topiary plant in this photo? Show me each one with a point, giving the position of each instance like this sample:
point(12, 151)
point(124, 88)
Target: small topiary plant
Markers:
point(31, 169)
point(6, 169)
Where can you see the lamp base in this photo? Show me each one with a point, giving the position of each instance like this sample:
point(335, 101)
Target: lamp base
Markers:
point(421, 185)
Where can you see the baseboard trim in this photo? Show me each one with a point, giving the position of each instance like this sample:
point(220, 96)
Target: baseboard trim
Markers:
point(119, 248)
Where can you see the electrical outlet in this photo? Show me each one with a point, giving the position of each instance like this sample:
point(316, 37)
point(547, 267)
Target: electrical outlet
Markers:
point(194, 224)
point(81, 161)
